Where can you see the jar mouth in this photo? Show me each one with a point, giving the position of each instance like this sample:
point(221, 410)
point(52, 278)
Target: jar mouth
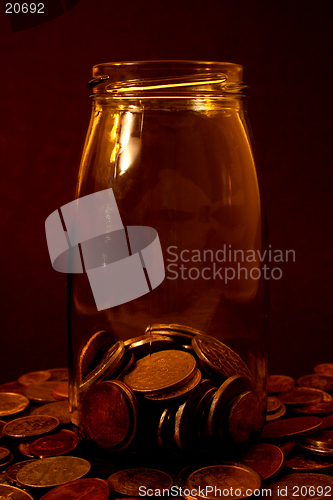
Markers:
point(174, 78)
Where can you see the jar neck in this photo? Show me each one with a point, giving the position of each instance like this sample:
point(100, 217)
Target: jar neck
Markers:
point(174, 80)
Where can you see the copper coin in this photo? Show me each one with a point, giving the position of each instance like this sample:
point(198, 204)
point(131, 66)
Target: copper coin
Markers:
point(322, 439)
point(93, 351)
point(185, 414)
point(238, 479)
point(308, 486)
point(161, 371)
point(232, 387)
point(109, 413)
point(219, 358)
point(4, 454)
point(322, 408)
point(108, 365)
point(12, 387)
point(3, 479)
point(34, 378)
point(316, 450)
point(34, 425)
point(180, 337)
point(12, 471)
point(147, 344)
point(276, 414)
point(136, 482)
point(324, 369)
point(12, 403)
point(327, 422)
point(173, 327)
point(244, 417)
point(291, 427)
point(179, 393)
point(303, 463)
point(316, 381)
point(278, 384)
point(2, 424)
point(286, 446)
point(24, 448)
point(41, 393)
point(13, 493)
point(7, 461)
point(58, 373)
point(301, 396)
point(59, 409)
point(127, 362)
point(273, 404)
point(54, 445)
point(61, 391)
point(264, 458)
point(51, 472)
point(81, 489)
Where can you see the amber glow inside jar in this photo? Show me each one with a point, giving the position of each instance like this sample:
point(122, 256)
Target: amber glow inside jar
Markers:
point(186, 299)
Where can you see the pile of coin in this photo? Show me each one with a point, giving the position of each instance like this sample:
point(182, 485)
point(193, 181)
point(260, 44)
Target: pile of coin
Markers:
point(41, 458)
point(174, 387)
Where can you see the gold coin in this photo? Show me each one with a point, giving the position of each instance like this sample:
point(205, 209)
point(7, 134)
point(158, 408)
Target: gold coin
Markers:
point(108, 365)
point(41, 393)
point(59, 409)
point(219, 358)
point(34, 378)
point(135, 482)
point(13, 493)
point(237, 479)
point(244, 417)
point(12, 403)
point(177, 394)
point(51, 472)
point(34, 425)
point(161, 371)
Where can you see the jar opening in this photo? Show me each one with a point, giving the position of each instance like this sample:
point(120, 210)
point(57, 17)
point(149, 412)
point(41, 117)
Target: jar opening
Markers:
point(146, 79)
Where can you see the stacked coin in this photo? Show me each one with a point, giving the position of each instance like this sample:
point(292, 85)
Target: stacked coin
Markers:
point(237, 471)
point(174, 385)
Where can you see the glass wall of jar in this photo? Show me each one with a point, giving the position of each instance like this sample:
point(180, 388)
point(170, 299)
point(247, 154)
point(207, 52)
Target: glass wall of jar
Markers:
point(173, 291)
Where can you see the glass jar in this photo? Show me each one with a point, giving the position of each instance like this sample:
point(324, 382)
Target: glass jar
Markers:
point(173, 243)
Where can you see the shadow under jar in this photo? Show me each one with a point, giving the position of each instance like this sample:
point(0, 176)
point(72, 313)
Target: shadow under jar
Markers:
point(167, 321)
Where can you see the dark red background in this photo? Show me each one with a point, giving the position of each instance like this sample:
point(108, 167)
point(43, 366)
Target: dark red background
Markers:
point(285, 48)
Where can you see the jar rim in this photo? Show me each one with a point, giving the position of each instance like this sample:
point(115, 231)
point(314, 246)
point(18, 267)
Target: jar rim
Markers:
point(123, 78)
